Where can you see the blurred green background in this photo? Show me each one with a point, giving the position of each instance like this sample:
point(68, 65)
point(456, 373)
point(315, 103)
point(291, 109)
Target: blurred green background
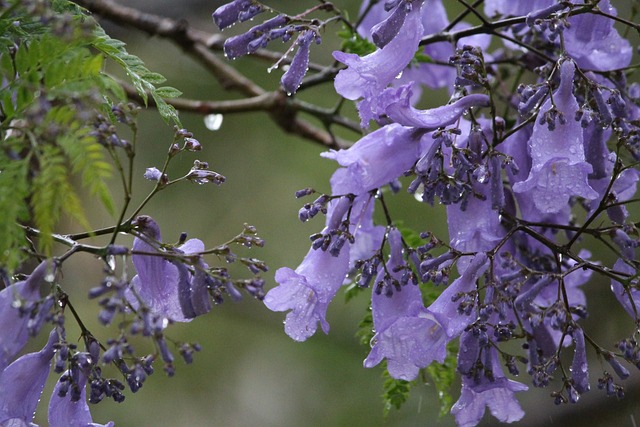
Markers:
point(249, 373)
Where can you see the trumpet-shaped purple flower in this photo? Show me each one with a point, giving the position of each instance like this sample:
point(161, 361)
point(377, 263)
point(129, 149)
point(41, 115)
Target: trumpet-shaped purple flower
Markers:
point(594, 44)
point(21, 385)
point(15, 331)
point(558, 167)
point(492, 390)
point(66, 412)
point(406, 335)
point(307, 291)
point(400, 111)
point(366, 77)
point(168, 288)
point(376, 159)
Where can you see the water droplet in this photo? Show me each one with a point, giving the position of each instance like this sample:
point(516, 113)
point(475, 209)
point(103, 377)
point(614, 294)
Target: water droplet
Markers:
point(49, 277)
point(213, 121)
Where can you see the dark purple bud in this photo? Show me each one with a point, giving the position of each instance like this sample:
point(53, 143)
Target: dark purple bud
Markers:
point(385, 31)
point(603, 108)
point(579, 367)
point(620, 370)
point(192, 144)
point(164, 350)
point(523, 301)
point(237, 10)
point(532, 102)
point(238, 46)
point(299, 65)
point(304, 192)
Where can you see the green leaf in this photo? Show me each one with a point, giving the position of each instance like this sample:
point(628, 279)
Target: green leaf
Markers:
point(352, 42)
point(168, 92)
point(396, 392)
point(142, 79)
point(14, 190)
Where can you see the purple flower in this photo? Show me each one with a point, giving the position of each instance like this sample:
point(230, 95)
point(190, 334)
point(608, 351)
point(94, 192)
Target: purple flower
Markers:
point(15, 331)
point(299, 65)
point(403, 113)
point(307, 291)
point(594, 44)
point(153, 174)
point(445, 309)
point(168, 288)
point(558, 167)
point(477, 227)
point(494, 391)
point(366, 77)
point(21, 385)
point(406, 335)
point(64, 412)
point(376, 159)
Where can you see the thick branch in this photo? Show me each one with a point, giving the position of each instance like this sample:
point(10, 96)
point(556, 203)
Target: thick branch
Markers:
point(199, 44)
point(282, 109)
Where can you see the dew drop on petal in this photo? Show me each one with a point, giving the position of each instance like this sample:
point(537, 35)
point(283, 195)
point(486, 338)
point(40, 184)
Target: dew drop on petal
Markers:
point(213, 121)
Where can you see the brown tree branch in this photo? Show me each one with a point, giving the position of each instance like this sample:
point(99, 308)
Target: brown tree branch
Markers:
point(199, 45)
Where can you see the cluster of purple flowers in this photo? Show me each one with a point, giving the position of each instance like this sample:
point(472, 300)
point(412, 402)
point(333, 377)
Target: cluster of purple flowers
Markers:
point(511, 185)
point(23, 312)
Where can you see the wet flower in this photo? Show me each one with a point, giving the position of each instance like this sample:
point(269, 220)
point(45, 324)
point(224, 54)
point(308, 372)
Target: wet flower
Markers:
point(492, 390)
point(16, 301)
point(21, 385)
point(167, 287)
point(406, 335)
point(558, 170)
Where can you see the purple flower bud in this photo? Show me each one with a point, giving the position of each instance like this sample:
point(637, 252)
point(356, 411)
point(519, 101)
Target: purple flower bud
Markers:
point(237, 10)
point(579, 367)
point(527, 106)
point(304, 192)
point(299, 65)
point(603, 108)
point(620, 370)
point(238, 46)
point(153, 174)
point(192, 144)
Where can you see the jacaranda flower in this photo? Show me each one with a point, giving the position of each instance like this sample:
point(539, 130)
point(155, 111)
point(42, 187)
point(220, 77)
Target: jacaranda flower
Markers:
point(15, 331)
point(167, 286)
point(21, 385)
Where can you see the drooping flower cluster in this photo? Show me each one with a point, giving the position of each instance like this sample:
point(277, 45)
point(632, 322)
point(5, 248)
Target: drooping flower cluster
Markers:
point(512, 185)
